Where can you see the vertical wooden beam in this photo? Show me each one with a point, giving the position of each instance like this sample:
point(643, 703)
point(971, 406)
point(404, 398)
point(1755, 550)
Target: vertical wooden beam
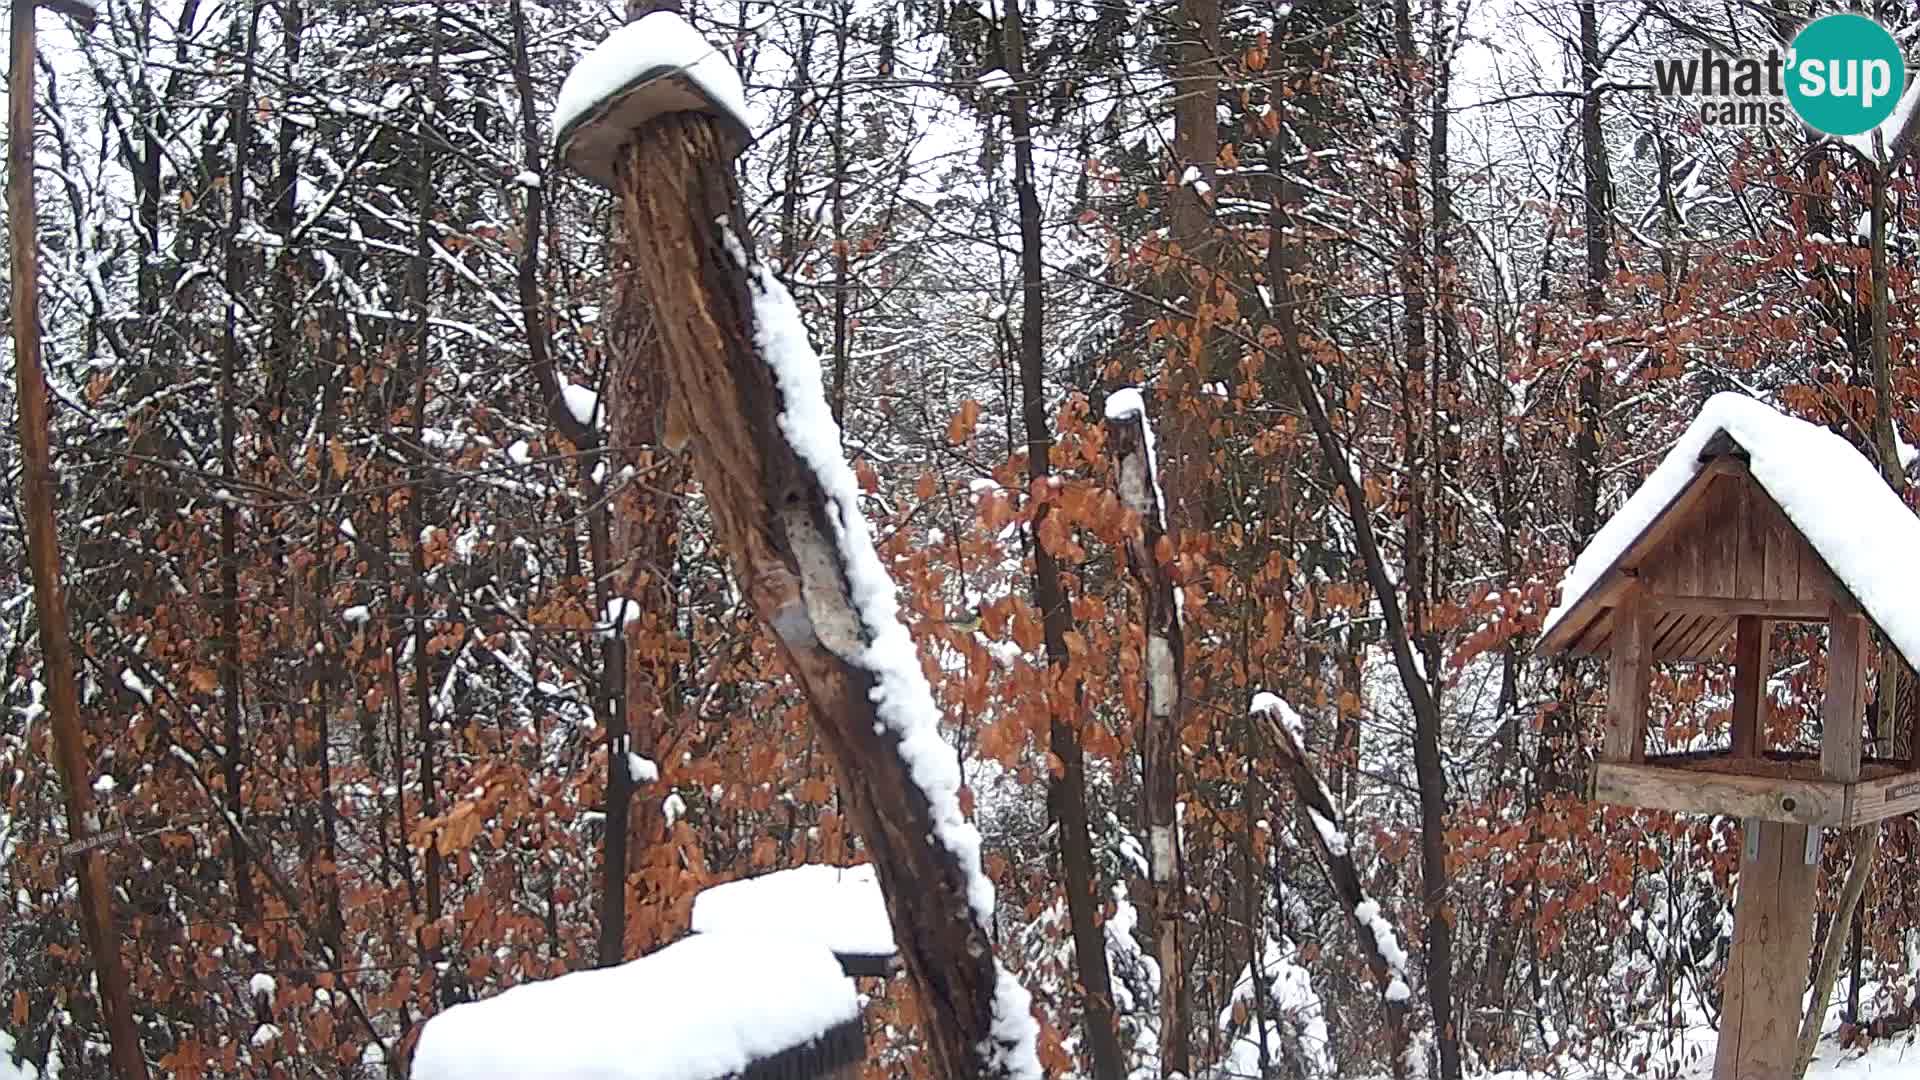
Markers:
point(1750, 669)
point(1767, 968)
point(1844, 710)
point(1630, 672)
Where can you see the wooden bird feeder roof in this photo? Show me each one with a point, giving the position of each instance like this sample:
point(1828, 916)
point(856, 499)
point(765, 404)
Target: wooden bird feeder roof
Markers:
point(646, 69)
point(1753, 518)
point(1752, 513)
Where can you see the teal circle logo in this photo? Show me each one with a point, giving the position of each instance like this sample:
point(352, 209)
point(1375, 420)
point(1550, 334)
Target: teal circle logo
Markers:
point(1845, 75)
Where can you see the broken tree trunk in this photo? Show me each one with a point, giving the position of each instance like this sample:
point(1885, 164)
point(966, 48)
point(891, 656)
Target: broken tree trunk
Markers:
point(784, 506)
point(1336, 861)
point(1150, 555)
point(43, 552)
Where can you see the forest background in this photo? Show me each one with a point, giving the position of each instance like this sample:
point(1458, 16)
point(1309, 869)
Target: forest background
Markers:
point(407, 685)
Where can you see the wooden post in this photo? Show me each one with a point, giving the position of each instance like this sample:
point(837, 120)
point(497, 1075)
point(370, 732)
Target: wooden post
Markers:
point(43, 552)
point(1750, 664)
point(681, 205)
point(1844, 710)
point(1767, 968)
point(1773, 914)
point(1629, 675)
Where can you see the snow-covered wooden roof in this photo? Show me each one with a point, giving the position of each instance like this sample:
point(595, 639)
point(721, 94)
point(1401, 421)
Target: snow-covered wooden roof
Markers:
point(840, 907)
point(705, 1007)
point(1778, 516)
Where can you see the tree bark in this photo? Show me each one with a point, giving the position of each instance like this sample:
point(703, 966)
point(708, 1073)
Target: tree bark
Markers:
point(1283, 266)
point(1067, 779)
point(1150, 552)
point(43, 554)
point(1312, 797)
point(784, 535)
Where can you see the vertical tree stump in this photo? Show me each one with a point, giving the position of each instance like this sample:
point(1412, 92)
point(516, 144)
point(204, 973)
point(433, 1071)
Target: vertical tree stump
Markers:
point(676, 189)
point(1150, 553)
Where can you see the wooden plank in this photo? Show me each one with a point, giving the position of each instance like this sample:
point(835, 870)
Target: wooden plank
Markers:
point(1750, 666)
point(1704, 642)
point(1668, 640)
point(1685, 555)
point(1570, 632)
point(1629, 675)
point(1722, 550)
point(1593, 636)
point(1675, 512)
point(1792, 609)
point(1843, 713)
point(1751, 576)
point(1689, 791)
point(1767, 967)
point(1889, 796)
point(1783, 552)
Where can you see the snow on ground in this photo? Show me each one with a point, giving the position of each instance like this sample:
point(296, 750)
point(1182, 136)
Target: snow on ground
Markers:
point(14, 1069)
point(660, 40)
point(701, 1008)
point(903, 700)
point(839, 907)
point(1891, 1059)
point(1831, 494)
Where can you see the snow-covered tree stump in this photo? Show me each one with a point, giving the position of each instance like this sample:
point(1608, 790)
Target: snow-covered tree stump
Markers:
point(745, 392)
point(1150, 556)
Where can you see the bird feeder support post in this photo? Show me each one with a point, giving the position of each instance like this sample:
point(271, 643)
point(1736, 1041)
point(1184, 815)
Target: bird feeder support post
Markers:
point(1630, 675)
point(1750, 671)
point(1779, 865)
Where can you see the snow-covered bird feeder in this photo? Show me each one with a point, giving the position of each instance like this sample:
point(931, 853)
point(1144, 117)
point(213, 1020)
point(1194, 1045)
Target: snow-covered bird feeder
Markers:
point(1753, 518)
point(708, 1007)
point(648, 68)
point(839, 907)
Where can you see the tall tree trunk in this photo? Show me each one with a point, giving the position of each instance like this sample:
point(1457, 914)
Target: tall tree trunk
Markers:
point(420, 288)
point(1596, 217)
point(1067, 781)
point(43, 553)
point(1283, 265)
point(1149, 556)
point(240, 123)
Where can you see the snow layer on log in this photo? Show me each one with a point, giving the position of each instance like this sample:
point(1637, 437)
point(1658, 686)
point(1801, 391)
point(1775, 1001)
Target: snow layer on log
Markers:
point(902, 697)
point(702, 1008)
point(659, 40)
point(1835, 497)
point(836, 906)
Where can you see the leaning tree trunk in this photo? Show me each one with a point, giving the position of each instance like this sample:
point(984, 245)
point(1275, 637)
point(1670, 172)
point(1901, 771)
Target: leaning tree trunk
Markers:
point(767, 455)
point(1328, 828)
point(43, 553)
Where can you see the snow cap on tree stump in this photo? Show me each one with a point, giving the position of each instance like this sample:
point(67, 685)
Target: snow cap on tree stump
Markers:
point(707, 1007)
point(648, 68)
